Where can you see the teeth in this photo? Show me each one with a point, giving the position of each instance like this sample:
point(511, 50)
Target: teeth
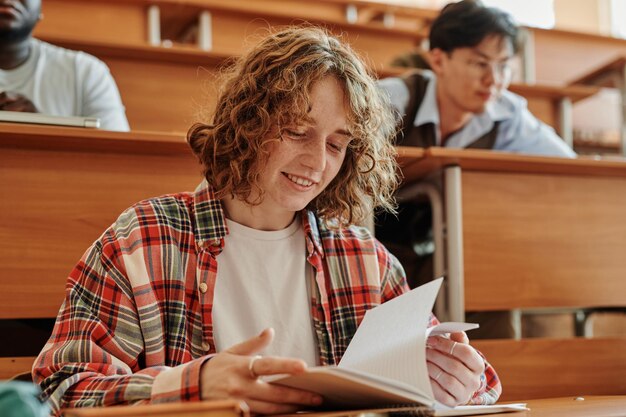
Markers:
point(300, 181)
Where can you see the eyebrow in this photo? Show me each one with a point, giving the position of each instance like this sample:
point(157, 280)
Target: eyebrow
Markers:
point(484, 55)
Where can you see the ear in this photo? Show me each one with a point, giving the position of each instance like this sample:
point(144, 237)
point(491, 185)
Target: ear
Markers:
point(436, 59)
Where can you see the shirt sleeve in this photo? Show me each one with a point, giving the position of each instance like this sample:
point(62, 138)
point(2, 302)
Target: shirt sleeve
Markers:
point(95, 356)
point(524, 133)
point(397, 92)
point(100, 96)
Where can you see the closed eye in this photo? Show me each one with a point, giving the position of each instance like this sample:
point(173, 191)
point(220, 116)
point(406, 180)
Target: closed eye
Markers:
point(335, 147)
point(294, 134)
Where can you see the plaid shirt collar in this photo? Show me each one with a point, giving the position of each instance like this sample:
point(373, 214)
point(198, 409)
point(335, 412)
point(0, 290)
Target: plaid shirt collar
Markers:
point(210, 221)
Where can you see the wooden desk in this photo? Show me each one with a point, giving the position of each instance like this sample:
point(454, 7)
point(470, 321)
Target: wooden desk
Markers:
point(520, 217)
point(591, 406)
point(221, 408)
point(60, 188)
point(562, 55)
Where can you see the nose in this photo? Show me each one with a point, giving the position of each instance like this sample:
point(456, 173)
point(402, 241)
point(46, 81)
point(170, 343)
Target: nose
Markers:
point(492, 76)
point(315, 155)
point(499, 75)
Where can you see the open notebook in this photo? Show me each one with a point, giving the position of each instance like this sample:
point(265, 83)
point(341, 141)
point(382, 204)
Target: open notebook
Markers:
point(47, 119)
point(385, 363)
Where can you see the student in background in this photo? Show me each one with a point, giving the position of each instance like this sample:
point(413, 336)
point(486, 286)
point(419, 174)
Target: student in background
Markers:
point(175, 299)
point(37, 77)
point(462, 102)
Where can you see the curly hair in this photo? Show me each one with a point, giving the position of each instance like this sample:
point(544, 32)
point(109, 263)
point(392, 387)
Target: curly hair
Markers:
point(268, 88)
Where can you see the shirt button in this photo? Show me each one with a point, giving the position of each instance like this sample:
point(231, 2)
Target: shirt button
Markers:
point(203, 287)
point(206, 346)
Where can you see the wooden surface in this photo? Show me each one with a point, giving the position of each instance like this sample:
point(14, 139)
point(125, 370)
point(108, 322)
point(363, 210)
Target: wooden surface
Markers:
point(167, 89)
point(164, 90)
point(60, 188)
point(543, 368)
point(609, 74)
point(10, 367)
point(537, 231)
point(235, 22)
point(182, 86)
point(562, 56)
point(585, 406)
point(493, 161)
point(222, 408)
point(535, 240)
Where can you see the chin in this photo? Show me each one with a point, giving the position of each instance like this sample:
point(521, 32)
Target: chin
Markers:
point(479, 108)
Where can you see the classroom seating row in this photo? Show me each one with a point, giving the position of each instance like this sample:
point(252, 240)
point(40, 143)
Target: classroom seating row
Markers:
point(523, 232)
point(166, 90)
point(212, 31)
point(381, 31)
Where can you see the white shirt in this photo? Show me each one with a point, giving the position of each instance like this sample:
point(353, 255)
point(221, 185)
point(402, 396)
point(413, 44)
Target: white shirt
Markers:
point(62, 82)
point(519, 131)
point(263, 280)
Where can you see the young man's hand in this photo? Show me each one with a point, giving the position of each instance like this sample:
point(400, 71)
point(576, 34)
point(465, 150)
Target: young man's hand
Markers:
point(234, 373)
point(16, 102)
point(454, 367)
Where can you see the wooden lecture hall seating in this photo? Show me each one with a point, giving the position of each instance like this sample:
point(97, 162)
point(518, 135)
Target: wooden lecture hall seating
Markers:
point(535, 233)
point(61, 188)
point(523, 232)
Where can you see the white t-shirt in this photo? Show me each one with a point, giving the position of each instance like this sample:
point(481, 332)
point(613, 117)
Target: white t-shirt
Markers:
point(263, 280)
point(62, 82)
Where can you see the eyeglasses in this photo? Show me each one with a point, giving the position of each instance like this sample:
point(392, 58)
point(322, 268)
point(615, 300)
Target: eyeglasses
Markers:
point(480, 68)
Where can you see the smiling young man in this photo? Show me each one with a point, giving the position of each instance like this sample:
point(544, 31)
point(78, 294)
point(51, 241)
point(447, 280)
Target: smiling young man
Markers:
point(462, 102)
point(37, 77)
point(178, 297)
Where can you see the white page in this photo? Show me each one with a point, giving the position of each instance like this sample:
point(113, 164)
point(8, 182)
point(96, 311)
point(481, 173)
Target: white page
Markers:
point(470, 410)
point(391, 340)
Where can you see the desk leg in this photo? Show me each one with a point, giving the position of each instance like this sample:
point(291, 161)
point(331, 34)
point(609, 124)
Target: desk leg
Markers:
point(622, 88)
point(411, 192)
point(154, 25)
point(565, 121)
point(454, 248)
point(205, 31)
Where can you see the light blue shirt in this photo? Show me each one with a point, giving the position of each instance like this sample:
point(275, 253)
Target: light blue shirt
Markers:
point(519, 131)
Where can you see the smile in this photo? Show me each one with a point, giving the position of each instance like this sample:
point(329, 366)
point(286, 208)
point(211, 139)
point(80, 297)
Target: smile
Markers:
point(299, 180)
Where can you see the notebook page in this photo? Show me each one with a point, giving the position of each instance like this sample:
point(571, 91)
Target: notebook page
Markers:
point(391, 340)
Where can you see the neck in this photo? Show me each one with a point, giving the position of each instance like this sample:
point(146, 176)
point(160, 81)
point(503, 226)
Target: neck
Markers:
point(14, 54)
point(451, 117)
point(256, 217)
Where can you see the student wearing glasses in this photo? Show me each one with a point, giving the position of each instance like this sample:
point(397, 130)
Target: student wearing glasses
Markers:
point(462, 102)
